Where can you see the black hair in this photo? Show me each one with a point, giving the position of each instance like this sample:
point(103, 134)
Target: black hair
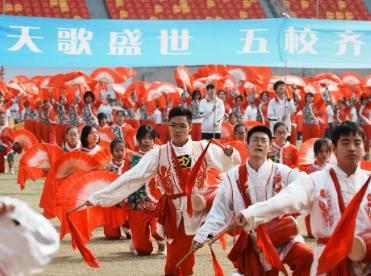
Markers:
point(279, 124)
point(233, 114)
point(69, 128)
point(101, 116)
point(84, 135)
point(308, 94)
point(195, 93)
point(237, 126)
point(180, 111)
point(345, 129)
point(210, 86)
point(120, 111)
point(278, 83)
point(319, 143)
point(259, 128)
point(239, 97)
point(219, 91)
point(115, 142)
point(143, 130)
point(264, 92)
point(87, 94)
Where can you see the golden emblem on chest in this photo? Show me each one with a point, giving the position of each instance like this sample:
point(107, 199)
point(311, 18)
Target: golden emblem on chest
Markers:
point(184, 161)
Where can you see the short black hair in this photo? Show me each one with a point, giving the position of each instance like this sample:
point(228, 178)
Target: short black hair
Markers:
point(264, 92)
point(195, 93)
point(84, 135)
point(345, 129)
point(143, 130)
point(120, 111)
point(259, 128)
point(115, 142)
point(210, 86)
point(278, 83)
point(279, 124)
point(239, 97)
point(319, 143)
point(181, 111)
point(308, 94)
point(101, 116)
point(89, 94)
point(220, 90)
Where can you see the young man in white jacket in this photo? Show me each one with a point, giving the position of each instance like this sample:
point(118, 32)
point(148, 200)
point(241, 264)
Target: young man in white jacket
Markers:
point(255, 181)
point(325, 195)
point(171, 163)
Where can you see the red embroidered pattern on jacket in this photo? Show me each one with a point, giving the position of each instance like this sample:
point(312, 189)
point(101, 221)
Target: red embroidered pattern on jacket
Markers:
point(368, 206)
point(164, 177)
point(202, 176)
point(325, 206)
point(277, 181)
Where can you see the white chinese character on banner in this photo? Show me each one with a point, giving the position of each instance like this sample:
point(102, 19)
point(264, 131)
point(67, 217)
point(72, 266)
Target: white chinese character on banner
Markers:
point(260, 43)
point(174, 42)
point(300, 42)
point(348, 37)
point(73, 41)
point(25, 39)
point(125, 43)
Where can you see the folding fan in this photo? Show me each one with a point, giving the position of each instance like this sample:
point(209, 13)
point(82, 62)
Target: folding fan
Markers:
point(36, 162)
point(103, 157)
point(25, 137)
point(241, 148)
point(74, 162)
point(351, 78)
point(106, 134)
point(125, 72)
point(106, 75)
point(288, 79)
point(207, 70)
point(183, 78)
point(76, 77)
point(367, 81)
point(227, 130)
point(306, 153)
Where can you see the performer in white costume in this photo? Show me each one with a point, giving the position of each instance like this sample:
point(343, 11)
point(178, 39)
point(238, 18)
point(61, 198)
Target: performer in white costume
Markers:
point(324, 195)
point(27, 240)
point(171, 163)
point(262, 180)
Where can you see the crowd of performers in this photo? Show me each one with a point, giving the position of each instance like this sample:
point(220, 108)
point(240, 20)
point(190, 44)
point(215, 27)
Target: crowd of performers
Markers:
point(148, 175)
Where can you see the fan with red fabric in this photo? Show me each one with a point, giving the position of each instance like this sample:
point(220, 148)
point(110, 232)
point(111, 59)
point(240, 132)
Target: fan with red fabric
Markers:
point(36, 162)
point(329, 80)
point(19, 78)
point(106, 134)
point(103, 157)
point(125, 72)
point(76, 77)
point(73, 193)
point(241, 147)
point(351, 78)
point(366, 165)
point(74, 162)
point(139, 89)
point(227, 130)
point(157, 93)
point(25, 138)
point(306, 153)
point(288, 79)
point(250, 124)
point(106, 75)
point(183, 78)
point(210, 69)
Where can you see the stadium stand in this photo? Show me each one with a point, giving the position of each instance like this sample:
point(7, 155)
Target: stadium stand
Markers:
point(185, 9)
point(338, 9)
point(47, 8)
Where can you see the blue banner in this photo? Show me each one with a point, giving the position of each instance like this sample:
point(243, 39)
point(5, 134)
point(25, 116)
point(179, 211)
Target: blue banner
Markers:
point(305, 43)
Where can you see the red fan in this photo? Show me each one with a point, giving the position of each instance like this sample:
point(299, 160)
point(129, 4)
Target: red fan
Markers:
point(74, 162)
point(351, 78)
point(105, 144)
point(288, 79)
point(106, 75)
point(256, 75)
point(25, 137)
point(106, 134)
point(241, 148)
point(103, 157)
point(329, 80)
point(183, 78)
point(153, 190)
point(210, 69)
point(250, 124)
point(213, 177)
point(367, 81)
point(125, 72)
point(56, 81)
point(366, 165)
point(227, 130)
point(36, 162)
point(306, 153)
point(139, 88)
point(157, 93)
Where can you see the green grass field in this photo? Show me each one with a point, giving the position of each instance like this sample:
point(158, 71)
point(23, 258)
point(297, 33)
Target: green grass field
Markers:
point(114, 256)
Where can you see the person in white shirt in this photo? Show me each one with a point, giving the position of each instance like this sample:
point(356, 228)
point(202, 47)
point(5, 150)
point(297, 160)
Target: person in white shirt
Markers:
point(281, 107)
point(324, 196)
point(251, 110)
point(330, 119)
point(171, 163)
point(255, 181)
point(157, 116)
point(212, 112)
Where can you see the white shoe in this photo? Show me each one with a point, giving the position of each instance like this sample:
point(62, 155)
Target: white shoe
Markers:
point(132, 249)
point(12, 171)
